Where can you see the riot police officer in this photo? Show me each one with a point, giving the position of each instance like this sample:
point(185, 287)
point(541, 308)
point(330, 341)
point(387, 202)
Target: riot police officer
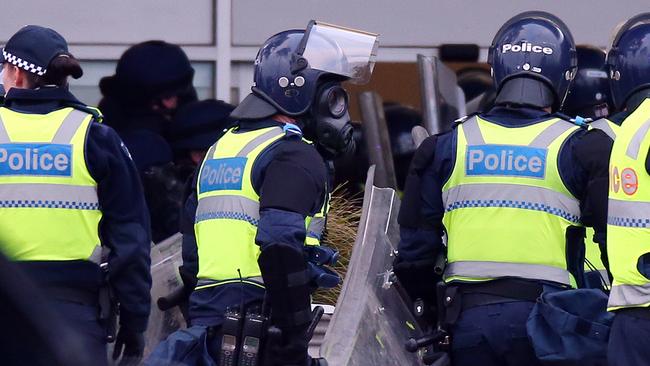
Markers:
point(508, 188)
point(262, 190)
point(589, 98)
point(589, 95)
point(69, 190)
point(628, 236)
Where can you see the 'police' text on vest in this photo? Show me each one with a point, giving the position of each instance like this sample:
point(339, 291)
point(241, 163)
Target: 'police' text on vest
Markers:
point(506, 160)
point(222, 174)
point(36, 159)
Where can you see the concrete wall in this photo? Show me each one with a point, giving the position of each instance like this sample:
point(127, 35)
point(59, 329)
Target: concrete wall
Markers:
point(223, 35)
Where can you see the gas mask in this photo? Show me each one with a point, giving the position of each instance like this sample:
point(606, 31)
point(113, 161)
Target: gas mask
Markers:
point(328, 123)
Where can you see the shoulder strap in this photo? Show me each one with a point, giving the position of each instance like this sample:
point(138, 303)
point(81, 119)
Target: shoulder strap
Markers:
point(605, 126)
point(93, 111)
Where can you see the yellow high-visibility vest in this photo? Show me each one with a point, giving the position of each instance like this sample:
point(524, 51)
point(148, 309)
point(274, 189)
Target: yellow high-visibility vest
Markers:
point(228, 210)
point(49, 210)
point(506, 207)
point(628, 212)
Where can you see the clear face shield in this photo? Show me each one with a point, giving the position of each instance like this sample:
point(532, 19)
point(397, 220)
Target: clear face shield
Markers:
point(338, 50)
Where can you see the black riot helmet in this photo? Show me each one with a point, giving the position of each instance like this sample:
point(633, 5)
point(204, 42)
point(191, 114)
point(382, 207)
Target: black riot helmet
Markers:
point(589, 95)
point(533, 59)
point(628, 59)
point(299, 74)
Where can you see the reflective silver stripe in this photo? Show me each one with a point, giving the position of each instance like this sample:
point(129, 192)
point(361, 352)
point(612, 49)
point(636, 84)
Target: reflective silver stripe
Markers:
point(551, 133)
point(206, 282)
point(629, 295)
point(472, 132)
point(69, 127)
point(228, 207)
point(603, 125)
point(210, 154)
point(316, 227)
point(543, 140)
point(635, 144)
point(513, 196)
point(63, 135)
point(96, 255)
point(47, 195)
point(4, 137)
point(628, 213)
point(259, 140)
point(489, 270)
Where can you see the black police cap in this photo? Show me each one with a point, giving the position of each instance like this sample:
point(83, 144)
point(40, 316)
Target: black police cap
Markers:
point(33, 47)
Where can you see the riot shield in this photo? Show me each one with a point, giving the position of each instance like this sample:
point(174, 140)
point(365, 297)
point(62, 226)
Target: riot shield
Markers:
point(165, 259)
point(443, 101)
point(372, 321)
point(375, 133)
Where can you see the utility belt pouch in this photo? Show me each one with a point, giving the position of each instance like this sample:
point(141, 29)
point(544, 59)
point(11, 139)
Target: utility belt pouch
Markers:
point(452, 302)
point(108, 312)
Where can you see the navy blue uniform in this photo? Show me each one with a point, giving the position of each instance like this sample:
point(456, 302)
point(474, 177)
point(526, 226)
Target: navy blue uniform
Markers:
point(124, 227)
point(284, 204)
point(480, 333)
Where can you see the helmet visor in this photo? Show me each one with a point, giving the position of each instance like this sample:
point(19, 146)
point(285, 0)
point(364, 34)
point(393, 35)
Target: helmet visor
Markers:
point(341, 51)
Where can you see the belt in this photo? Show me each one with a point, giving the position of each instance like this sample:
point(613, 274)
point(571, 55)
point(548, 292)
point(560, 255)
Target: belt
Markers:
point(84, 297)
point(643, 313)
point(499, 291)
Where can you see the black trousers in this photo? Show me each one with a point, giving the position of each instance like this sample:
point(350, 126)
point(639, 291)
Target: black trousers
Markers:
point(629, 341)
point(84, 321)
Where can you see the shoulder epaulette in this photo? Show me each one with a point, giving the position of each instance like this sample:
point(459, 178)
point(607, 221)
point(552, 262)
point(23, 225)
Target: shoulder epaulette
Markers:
point(291, 130)
point(578, 121)
point(464, 119)
point(95, 112)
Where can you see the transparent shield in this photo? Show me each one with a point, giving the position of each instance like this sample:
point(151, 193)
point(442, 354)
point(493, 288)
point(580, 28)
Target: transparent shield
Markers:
point(342, 51)
point(372, 321)
point(165, 259)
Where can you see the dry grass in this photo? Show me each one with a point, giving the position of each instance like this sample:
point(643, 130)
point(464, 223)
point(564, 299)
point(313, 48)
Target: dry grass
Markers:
point(342, 222)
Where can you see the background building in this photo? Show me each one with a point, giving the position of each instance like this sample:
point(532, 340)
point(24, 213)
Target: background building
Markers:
point(221, 37)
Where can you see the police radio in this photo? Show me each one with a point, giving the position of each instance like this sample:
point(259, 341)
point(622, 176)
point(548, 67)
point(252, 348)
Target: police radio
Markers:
point(254, 329)
point(231, 330)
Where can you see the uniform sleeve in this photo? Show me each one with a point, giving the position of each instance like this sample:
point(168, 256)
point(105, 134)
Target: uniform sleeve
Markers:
point(420, 215)
point(293, 185)
point(592, 151)
point(125, 227)
point(190, 267)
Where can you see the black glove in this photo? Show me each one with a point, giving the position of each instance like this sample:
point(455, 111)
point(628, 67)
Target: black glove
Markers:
point(133, 345)
point(291, 349)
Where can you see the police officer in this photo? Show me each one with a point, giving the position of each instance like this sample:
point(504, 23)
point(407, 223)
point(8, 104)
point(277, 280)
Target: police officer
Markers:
point(262, 190)
point(589, 95)
point(589, 98)
point(69, 190)
point(628, 215)
point(508, 188)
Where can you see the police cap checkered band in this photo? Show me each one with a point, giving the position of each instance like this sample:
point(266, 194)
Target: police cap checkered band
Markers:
point(23, 64)
point(33, 47)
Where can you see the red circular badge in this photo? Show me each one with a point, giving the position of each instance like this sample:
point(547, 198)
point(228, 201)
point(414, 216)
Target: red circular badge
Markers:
point(629, 181)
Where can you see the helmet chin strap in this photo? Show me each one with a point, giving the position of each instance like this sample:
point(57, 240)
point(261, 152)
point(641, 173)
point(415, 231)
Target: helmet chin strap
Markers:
point(527, 92)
